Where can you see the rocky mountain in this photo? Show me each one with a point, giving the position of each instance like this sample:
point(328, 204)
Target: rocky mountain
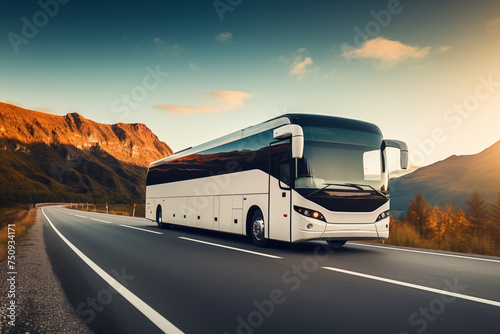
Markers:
point(454, 178)
point(70, 158)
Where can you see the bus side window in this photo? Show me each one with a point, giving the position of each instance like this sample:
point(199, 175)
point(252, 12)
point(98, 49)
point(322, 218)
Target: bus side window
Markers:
point(284, 171)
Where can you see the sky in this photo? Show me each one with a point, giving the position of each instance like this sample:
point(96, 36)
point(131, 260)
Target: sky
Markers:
point(426, 72)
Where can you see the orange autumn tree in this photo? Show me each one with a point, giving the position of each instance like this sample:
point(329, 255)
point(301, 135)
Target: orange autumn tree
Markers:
point(418, 214)
point(450, 228)
point(446, 224)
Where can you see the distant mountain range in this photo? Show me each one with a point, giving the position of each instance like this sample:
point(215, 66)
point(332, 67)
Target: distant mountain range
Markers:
point(69, 158)
point(454, 178)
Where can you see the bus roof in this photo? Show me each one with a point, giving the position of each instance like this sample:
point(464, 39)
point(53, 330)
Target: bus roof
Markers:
point(300, 119)
point(332, 121)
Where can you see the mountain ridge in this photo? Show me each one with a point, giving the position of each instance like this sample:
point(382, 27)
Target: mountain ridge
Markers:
point(121, 140)
point(454, 178)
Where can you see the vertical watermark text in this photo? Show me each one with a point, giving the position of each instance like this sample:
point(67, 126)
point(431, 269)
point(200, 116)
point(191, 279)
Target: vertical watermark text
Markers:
point(11, 274)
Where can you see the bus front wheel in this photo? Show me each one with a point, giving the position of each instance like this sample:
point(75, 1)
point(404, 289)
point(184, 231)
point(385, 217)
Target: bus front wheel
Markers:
point(336, 243)
point(258, 229)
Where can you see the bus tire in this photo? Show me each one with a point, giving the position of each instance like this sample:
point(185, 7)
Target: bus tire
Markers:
point(336, 243)
point(159, 218)
point(257, 229)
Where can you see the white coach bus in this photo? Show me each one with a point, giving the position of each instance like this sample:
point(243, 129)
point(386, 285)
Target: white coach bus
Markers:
point(293, 178)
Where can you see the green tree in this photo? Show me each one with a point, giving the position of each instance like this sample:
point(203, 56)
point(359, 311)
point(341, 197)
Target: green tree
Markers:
point(418, 214)
point(495, 210)
point(495, 218)
point(477, 212)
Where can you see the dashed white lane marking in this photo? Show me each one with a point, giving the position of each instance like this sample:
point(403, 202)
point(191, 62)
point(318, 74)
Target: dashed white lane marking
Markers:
point(136, 228)
point(102, 221)
point(233, 248)
point(140, 229)
point(162, 323)
point(416, 286)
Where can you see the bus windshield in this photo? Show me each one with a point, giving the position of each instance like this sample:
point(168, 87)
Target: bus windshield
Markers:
point(342, 161)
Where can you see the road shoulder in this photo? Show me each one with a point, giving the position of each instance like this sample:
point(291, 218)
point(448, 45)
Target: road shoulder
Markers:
point(41, 305)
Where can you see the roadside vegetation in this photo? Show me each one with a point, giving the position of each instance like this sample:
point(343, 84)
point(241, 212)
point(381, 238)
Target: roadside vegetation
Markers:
point(22, 218)
point(475, 230)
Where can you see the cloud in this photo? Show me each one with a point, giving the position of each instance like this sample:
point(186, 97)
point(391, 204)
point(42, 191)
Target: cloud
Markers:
point(173, 49)
point(493, 22)
point(193, 66)
point(300, 63)
point(443, 48)
point(299, 66)
point(20, 105)
point(224, 36)
point(14, 103)
point(388, 53)
point(216, 102)
point(170, 49)
point(45, 110)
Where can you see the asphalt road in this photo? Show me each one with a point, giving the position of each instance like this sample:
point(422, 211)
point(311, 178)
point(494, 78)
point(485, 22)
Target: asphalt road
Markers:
point(124, 275)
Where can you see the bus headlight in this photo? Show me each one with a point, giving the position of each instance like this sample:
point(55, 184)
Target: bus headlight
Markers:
point(309, 213)
point(383, 215)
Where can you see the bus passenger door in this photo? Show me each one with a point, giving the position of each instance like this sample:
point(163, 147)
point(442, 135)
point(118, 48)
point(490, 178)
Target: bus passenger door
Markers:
point(279, 191)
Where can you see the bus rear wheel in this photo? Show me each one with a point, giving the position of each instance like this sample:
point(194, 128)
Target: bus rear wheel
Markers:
point(258, 229)
point(336, 243)
point(159, 218)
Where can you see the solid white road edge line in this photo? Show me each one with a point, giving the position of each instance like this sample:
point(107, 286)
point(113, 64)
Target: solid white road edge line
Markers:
point(416, 286)
point(424, 252)
point(162, 323)
point(102, 221)
point(140, 229)
point(233, 248)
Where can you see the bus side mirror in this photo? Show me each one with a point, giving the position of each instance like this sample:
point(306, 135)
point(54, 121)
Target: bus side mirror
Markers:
point(294, 131)
point(402, 147)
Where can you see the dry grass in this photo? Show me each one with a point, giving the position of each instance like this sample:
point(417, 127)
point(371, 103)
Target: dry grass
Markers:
point(22, 219)
point(405, 235)
point(408, 236)
point(481, 244)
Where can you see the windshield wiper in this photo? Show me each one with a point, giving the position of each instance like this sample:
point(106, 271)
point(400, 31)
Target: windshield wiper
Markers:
point(359, 186)
point(352, 185)
point(333, 184)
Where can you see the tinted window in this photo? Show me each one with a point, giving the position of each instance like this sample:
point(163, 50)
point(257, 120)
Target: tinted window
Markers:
point(244, 154)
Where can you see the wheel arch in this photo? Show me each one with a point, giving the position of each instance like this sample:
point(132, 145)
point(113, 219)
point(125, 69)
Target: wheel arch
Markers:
point(159, 210)
point(248, 225)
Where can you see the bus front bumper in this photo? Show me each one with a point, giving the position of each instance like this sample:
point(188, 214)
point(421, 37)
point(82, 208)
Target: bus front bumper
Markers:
point(350, 231)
